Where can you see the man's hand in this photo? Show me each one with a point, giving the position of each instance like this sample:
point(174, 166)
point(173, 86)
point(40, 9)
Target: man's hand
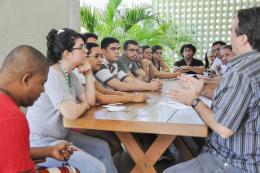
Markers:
point(159, 82)
point(218, 68)
point(183, 96)
point(62, 150)
point(140, 98)
point(156, 85)
point(198, 84)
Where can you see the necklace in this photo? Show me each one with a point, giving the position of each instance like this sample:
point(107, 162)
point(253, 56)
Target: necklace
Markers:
point(68, 78)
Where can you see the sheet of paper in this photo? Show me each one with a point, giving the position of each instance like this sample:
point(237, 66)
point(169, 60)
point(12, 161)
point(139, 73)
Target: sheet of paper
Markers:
point(178, 105)
point(175, 105)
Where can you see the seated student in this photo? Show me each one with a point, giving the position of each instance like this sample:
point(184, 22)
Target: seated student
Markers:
point(226, 54)
point(65, 96)
point(144, 64)
point(216, 50)
point(127, 63)
point(22, 79)
point(110, 76)
point(147, 55)
point(157, 60)
point(188, 64)
point(209, 59)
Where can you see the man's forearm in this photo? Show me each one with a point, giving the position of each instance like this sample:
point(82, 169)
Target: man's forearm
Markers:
point(207, 92)
point(41, 152)
point(206, 114)
point(199, 70)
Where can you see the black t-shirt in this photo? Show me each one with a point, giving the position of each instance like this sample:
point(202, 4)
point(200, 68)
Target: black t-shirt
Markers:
point(194, 63)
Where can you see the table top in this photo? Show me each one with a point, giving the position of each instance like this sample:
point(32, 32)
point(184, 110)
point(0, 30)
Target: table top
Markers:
point(149, 117)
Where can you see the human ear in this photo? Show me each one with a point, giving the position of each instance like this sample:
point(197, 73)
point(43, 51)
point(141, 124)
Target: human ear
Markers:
point(124, 51)
point(26, 78)
point(104, 52)
point(243, 39)
point(67, 54)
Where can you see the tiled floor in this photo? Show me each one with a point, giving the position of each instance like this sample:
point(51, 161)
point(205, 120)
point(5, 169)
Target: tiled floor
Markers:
point(125, 164)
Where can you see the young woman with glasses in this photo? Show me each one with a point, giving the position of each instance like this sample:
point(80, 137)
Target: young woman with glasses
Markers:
point(65, 96)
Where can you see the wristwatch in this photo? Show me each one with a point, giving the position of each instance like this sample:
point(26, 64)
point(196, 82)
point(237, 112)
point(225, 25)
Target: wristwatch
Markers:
point(195, 102)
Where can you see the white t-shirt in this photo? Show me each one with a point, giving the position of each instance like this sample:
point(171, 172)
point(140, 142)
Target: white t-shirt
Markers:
point(217, 61)
point(81, 76)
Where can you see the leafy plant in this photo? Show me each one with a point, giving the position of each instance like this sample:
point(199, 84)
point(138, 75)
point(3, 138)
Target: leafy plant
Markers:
point(140, 23)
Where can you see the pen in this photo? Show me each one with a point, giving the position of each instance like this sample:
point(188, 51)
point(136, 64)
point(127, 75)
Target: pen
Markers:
point(138, 93)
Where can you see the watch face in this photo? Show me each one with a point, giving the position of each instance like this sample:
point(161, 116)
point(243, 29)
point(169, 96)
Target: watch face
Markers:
point(194, 102)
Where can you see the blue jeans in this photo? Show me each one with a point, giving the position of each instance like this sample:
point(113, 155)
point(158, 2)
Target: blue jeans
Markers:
point(93, 155)
point(204, 163)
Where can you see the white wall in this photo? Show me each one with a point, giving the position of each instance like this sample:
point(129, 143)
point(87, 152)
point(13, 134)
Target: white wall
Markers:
point(29, 21)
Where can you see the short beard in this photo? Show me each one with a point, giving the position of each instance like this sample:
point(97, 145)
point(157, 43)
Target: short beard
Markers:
point(188, 58)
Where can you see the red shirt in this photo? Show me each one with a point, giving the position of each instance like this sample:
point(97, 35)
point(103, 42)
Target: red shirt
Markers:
point(14, 136)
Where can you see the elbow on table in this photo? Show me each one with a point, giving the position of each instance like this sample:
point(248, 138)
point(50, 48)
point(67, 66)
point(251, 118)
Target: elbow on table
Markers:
point(102, 100)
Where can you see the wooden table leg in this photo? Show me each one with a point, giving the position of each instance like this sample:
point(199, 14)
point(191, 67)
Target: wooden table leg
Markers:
point(183, 149)
point(144, 162)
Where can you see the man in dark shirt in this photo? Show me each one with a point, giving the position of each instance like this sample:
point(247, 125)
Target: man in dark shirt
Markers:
point(188, 64)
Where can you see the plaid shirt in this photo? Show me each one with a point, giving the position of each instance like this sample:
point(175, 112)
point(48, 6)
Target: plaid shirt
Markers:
point(236, 105)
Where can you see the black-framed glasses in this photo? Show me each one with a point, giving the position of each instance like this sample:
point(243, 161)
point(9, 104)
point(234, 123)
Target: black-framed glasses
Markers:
point(133, 50)
point(216, 49)
point(96, 56)
point(82, 48)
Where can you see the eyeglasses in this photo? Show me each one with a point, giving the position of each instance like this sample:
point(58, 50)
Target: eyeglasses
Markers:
point(82, 48)
point(96, 56)
point(133, 50)
point(139, 53)
point(216, 49)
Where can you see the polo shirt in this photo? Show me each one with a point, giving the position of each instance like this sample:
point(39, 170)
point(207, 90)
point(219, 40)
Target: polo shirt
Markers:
point(108, 72)
point(236, 106)
point(122, 63)
point(194, 63)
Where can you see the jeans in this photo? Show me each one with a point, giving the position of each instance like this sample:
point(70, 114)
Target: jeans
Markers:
point(93, 155)
point(204, 163)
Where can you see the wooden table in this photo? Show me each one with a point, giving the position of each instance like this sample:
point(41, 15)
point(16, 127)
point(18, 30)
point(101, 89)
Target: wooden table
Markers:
point(149, 117)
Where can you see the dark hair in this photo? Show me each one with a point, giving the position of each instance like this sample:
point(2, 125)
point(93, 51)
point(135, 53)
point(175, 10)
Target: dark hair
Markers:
point(249, 24)
point(222, 43)
point(226, 47)
point(193, 48)
point(145, 47)
point(88, 35)
point(155, 48)
point(126, 43)
point(206, 59)
point(90, 45)
point(58, 43)
point(107, 41)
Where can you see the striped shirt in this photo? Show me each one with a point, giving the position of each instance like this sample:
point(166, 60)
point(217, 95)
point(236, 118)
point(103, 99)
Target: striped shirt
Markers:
point(108, 72)
point(236, 105)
